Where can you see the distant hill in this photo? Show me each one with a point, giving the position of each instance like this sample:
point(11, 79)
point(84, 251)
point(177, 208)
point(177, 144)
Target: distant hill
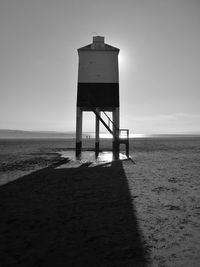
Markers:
point(8, 134)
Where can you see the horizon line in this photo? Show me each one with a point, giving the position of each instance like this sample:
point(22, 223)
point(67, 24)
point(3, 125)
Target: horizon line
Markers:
point(103, 134)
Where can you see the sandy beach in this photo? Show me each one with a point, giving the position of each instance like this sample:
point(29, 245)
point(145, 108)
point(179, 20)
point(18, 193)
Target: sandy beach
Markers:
point(139, 212)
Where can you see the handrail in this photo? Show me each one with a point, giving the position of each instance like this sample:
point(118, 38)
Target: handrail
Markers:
point(118, 129)
point(124, 136)
point(99, 117)
point(111, 120)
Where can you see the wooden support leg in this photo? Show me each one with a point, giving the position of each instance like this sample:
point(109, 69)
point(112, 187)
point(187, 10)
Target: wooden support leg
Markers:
point(116, 133)
point(127, 149)
point(97, 134)
point(78, 131)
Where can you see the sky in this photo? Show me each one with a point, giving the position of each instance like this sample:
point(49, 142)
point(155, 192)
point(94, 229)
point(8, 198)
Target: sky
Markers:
point(159, 62)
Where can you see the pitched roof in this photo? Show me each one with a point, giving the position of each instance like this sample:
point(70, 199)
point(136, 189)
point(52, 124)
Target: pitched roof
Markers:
point(106, 47)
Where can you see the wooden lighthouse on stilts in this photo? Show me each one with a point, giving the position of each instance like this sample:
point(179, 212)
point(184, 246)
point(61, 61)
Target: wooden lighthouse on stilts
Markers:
point(98, 91)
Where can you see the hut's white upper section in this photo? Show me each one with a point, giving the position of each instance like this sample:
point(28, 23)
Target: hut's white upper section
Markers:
point(98, 63)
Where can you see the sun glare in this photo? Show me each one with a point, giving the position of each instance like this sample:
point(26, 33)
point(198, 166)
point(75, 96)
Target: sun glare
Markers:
point(122, 60)
point(109, 136)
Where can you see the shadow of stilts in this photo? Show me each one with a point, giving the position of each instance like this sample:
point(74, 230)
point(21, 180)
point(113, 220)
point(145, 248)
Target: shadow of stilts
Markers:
point(70, 217)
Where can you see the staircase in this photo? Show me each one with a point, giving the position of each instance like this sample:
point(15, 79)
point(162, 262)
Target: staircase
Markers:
point(120, 136)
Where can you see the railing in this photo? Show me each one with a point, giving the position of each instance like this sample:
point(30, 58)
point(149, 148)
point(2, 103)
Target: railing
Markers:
point(123, 134)
point(109, 120)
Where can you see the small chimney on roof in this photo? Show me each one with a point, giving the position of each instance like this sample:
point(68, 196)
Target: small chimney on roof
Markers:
point(98, 42)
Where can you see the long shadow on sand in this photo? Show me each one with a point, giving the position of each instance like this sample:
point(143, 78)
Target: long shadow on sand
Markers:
point(70, 217)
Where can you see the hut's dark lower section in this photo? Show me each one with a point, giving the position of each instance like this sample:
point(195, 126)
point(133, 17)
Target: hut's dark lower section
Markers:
point(98, 94)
